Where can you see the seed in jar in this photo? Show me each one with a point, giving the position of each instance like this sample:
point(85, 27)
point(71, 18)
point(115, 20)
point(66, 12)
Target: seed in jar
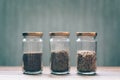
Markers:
point(86, 61)
point(59, 61)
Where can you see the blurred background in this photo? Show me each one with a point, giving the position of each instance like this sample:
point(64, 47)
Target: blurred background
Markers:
point(101, 16)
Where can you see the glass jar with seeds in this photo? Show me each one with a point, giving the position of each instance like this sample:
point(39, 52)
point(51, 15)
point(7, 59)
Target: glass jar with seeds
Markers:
point(32, 52)
point(86, 53)
point(59, 47)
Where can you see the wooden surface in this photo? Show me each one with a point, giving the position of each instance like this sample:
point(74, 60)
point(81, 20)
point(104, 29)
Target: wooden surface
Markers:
point(103, 73)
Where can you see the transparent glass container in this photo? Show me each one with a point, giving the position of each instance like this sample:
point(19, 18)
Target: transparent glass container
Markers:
point(59, 47)
point(86, 53)
point(32, 52)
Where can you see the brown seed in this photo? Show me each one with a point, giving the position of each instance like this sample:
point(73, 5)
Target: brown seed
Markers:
point(86, 61)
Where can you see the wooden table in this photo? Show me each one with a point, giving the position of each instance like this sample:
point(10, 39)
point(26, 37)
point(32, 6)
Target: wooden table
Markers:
point(103, 73)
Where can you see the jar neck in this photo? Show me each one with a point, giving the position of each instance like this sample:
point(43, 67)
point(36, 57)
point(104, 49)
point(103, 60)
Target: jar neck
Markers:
point(59, 36)
point(30, 37)
point(86, 37)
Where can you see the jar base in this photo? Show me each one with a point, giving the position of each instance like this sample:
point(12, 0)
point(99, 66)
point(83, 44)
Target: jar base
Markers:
point(60, 73)
point(32, 73)
point(86, 73)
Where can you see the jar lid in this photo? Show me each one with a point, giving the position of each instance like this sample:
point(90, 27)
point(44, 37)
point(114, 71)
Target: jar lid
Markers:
point(33, 34)
point(59, 33)
point(86, 34)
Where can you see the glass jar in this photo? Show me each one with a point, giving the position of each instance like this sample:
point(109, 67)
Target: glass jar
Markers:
point(32, 53)
point(59, 46)
point(86, 52)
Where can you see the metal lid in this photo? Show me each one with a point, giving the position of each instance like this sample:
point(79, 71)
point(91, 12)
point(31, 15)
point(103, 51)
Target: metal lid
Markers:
point(59, 33)
point(33, 34)
point(94, 34)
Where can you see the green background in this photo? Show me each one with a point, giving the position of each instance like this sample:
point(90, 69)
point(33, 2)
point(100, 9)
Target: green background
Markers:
point(18, 16)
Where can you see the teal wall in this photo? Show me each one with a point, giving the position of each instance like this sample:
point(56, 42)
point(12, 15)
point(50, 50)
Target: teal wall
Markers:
point(18, 16)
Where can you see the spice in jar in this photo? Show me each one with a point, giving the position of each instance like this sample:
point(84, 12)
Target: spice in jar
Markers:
point(86, 61)
point(59, 61)
point(32, 62)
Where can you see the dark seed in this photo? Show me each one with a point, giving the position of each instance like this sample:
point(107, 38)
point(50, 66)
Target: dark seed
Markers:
point(32, 62)
point(59, 61)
